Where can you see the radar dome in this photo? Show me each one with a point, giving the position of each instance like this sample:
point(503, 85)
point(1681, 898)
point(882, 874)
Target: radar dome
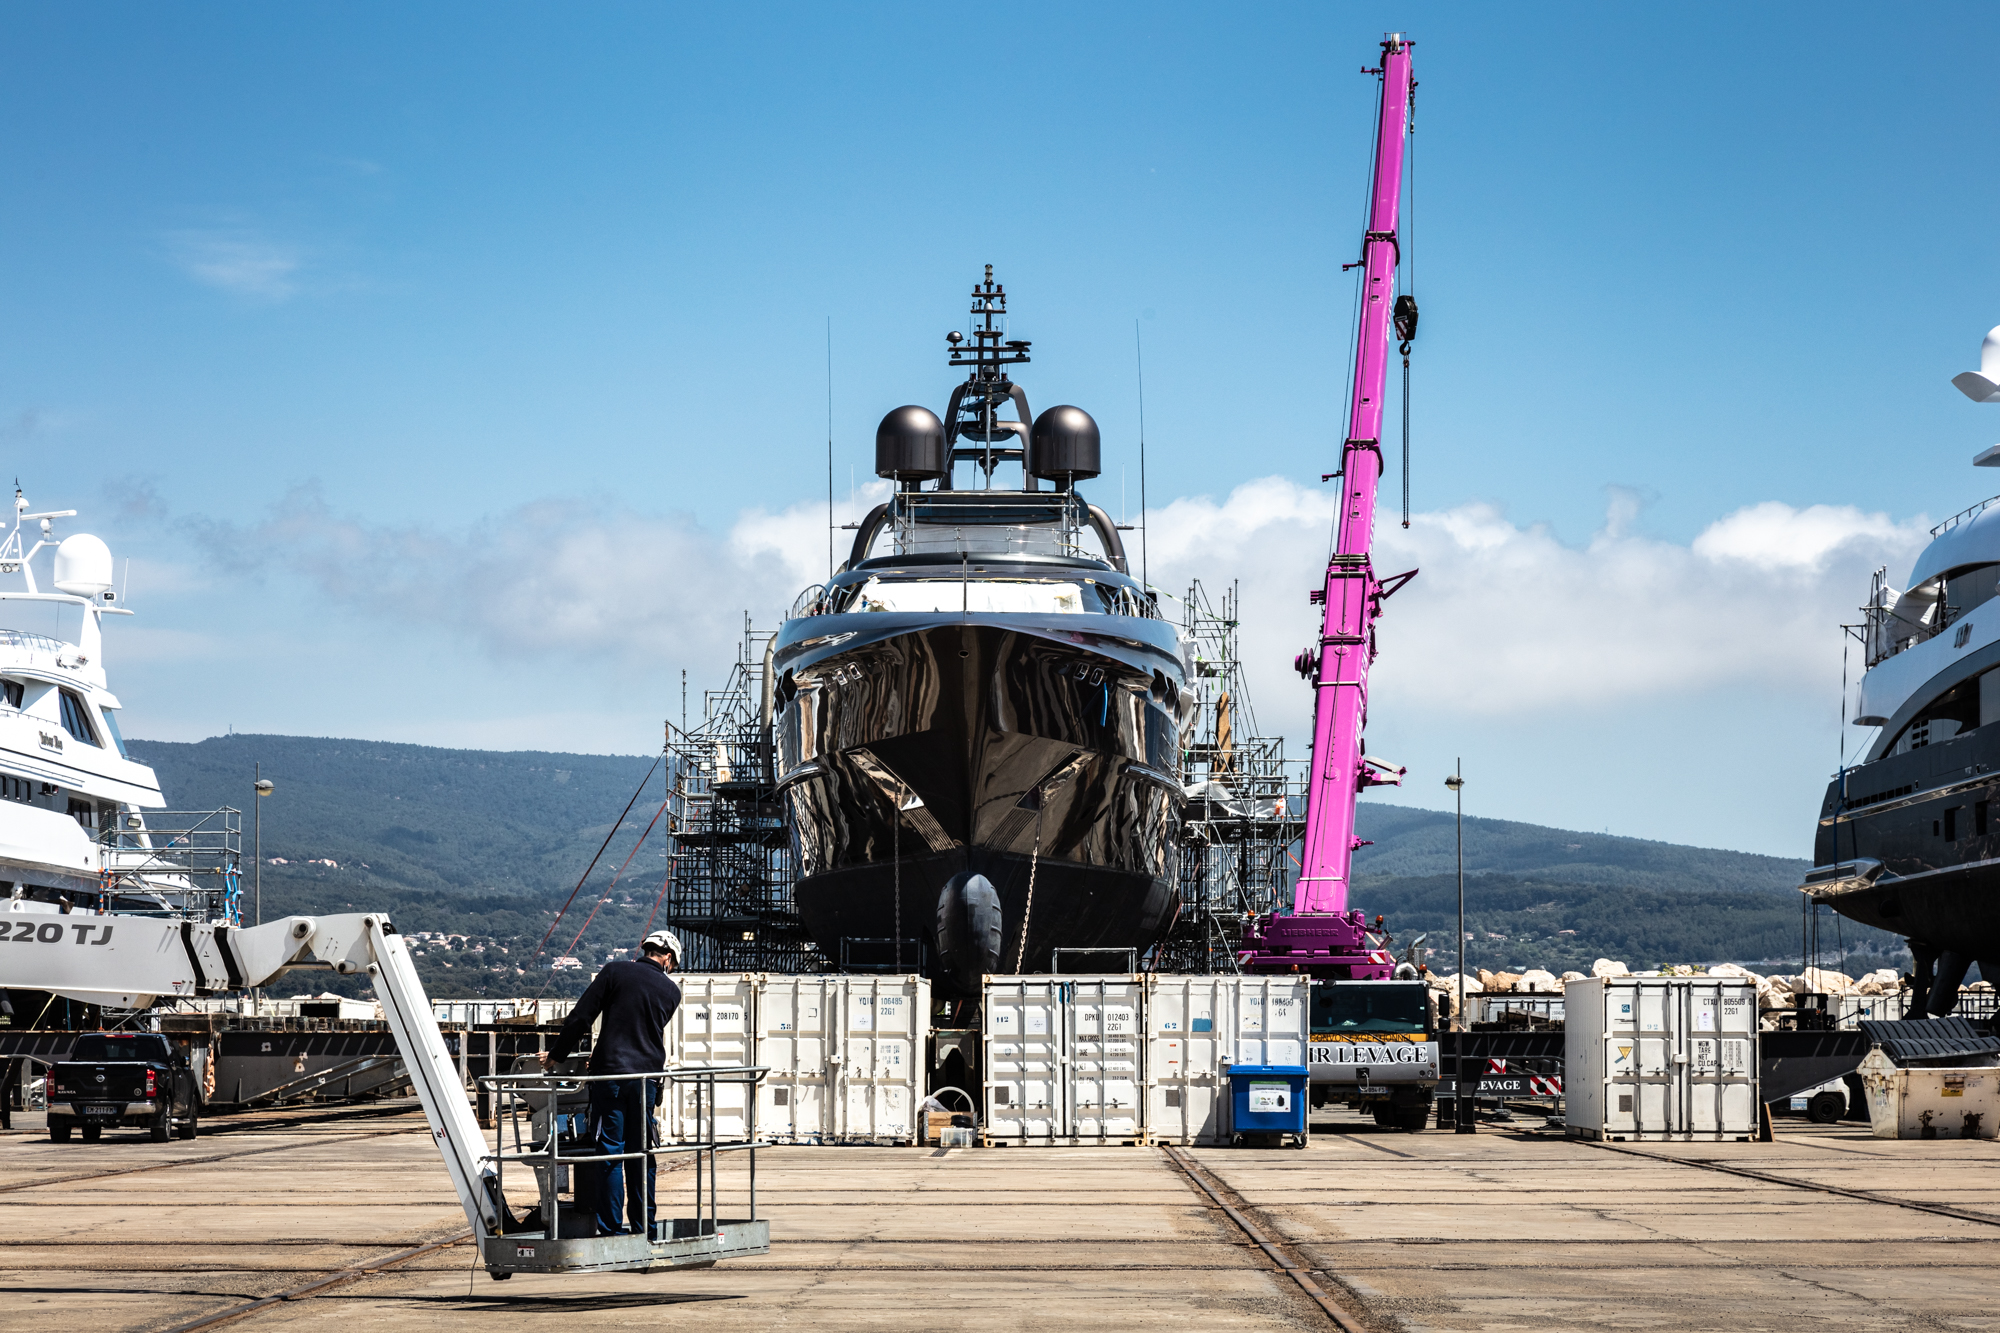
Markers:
point(909, 445)
point(1064, 445)
point(83, 566)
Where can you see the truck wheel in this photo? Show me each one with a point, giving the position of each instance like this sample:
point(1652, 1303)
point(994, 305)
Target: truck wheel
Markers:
point(187, 1126)
point(92, 1133)
point(159, 1127)
point(1413, 1119)
point(1384, 1114)
point(1826, 1108)
point(59, 1131)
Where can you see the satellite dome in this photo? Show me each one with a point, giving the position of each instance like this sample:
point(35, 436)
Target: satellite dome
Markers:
point(1065, 445)
point(83, 566)
point(909, 445)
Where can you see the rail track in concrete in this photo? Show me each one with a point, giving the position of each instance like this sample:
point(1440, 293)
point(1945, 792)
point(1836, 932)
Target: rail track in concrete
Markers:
point(1281, 1256)
point(1771, 1178)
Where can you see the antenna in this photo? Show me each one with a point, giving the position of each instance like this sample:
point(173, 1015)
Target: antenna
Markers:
point(1139, 349)
point(829, 447)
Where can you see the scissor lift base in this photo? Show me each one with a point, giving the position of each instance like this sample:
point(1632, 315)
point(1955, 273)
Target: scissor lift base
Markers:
point(685, 1247)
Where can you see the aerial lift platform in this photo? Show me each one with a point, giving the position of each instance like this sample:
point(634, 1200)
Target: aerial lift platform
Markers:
point(133, 962)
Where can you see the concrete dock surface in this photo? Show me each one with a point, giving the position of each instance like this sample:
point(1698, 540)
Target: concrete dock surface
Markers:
point(1503, 1230)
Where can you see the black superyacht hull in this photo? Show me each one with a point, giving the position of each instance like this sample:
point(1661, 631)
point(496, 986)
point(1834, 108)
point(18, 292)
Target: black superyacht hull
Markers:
point(1912, 845)
point(971, 792)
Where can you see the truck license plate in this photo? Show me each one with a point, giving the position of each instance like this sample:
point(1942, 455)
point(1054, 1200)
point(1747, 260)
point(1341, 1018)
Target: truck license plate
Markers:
point(101, 1110)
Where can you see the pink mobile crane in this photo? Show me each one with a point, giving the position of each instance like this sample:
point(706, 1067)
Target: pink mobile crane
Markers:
point(1322, 937)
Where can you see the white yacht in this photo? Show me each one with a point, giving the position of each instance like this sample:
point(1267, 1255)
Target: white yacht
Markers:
point(80, 822)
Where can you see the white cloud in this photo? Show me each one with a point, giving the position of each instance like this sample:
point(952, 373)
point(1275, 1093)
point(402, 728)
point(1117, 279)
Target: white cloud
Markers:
point(599, 585)
point(238, 261)
point(1506, 620)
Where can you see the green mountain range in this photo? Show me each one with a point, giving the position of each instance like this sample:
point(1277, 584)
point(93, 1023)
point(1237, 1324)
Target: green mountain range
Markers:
point(488, 845)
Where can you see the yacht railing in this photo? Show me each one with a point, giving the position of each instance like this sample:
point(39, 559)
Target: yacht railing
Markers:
point(187, 861)
point(14, 638)
point(810, 602)
point(1962, 516)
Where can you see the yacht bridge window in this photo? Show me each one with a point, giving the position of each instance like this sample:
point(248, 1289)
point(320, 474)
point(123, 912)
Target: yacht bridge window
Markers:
point(12, 691)
point(117, 736)
point(76, 719)
point(1039, 596)
point(1964, 707)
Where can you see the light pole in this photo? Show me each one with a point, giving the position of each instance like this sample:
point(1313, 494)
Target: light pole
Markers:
point(1461, 1117)
point(263, 789)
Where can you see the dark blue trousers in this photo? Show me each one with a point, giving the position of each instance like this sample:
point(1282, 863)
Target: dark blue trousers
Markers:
point(621, 1120)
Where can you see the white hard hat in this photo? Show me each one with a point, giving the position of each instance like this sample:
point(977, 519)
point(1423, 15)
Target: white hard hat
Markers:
point(664, 939)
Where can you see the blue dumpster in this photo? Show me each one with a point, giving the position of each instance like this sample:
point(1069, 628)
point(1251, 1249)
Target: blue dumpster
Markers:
point(1269, 1102)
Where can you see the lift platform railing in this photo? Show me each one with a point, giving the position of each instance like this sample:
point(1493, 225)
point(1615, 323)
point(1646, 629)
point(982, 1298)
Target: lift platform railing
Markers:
point(563, 1237)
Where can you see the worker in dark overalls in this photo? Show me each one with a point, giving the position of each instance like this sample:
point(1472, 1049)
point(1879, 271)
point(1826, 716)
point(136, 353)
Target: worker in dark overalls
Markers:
point(636, 1000)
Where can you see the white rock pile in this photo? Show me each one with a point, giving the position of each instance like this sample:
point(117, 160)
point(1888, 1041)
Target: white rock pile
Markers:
point(1773, 992)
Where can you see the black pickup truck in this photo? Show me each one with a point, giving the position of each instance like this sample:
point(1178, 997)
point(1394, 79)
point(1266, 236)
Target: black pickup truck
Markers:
point(123, 1078)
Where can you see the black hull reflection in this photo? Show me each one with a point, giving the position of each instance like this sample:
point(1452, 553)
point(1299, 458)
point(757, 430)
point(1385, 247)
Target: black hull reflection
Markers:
point(1931, 817)
point(1019, 748)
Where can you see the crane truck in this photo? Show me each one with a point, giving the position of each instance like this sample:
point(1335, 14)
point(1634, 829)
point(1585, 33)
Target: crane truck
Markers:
point(1372, 1032)
point(133, 962)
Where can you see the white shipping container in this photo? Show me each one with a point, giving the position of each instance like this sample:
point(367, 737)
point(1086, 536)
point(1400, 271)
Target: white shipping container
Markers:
point(1670, 1058)
point(1852, 1010)
point(843, 1054)
point(712, 1029)
point(1196, 1027)
point(1063, 1058)
point(1930, 1103)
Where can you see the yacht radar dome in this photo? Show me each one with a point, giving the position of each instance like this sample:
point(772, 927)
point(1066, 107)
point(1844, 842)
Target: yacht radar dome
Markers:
point(909, 445)
point(1065, 445)
point(83, 566)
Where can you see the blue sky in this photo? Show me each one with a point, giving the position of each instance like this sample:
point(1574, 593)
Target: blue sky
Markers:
point(339, 320)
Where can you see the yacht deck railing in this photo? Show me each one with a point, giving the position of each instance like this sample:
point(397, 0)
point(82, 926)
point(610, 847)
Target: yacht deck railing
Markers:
point(190, 860)
point(1963, 515)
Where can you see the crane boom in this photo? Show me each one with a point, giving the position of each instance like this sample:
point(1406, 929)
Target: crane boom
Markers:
point(1322, 936)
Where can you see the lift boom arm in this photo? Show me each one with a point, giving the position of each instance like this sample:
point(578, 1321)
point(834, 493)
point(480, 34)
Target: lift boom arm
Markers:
point(1353, 594)
point(129, 962)
point(1322, 937)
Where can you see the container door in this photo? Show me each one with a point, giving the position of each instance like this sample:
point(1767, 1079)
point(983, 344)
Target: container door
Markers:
point(794, 1040)
point(1284, 1021)
point(879, 1062)
point(1722, 1062)
point(1186, 1018)
point(1101, 1030)
point(711, 1029)
point(1022, 1040)
point(1623, 1084)
point(1248, 1039)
